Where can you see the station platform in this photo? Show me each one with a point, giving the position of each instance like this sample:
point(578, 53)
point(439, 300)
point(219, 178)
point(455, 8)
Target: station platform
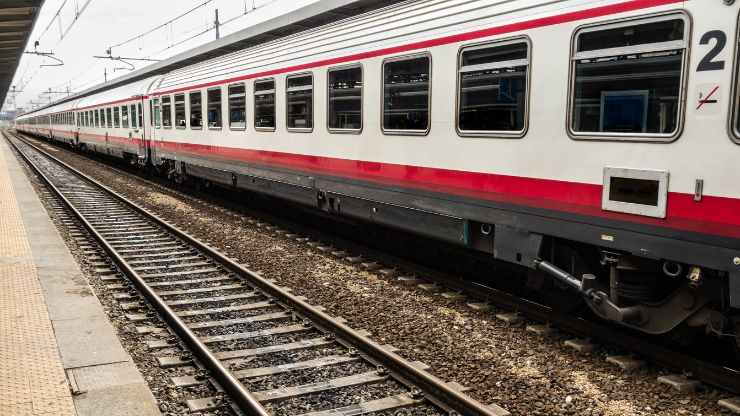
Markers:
point(59, 354)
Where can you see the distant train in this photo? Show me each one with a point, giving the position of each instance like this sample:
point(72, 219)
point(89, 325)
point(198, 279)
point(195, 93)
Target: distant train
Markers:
point(595, 142)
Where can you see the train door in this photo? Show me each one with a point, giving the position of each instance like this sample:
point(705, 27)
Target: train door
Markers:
point(78, 125)
point(140, 134)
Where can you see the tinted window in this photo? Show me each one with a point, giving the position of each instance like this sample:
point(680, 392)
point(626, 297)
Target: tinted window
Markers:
point(166, 111)
point(237, 106)
point(133, 117)
point(124, 117)
point(264, 104)
point(345, 99)
point(108, 117)
point(635, 92)
point(299, 102)
point(116, 117)
point(493, 88)
point(406, 90)
point(196, 109)
point(214, 108)
point(632, 35)
point(180, 121)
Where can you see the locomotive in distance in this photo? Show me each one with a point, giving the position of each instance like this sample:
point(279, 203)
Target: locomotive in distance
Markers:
point(594, 142)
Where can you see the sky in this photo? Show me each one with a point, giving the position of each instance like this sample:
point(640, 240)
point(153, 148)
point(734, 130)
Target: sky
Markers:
point(105, 23)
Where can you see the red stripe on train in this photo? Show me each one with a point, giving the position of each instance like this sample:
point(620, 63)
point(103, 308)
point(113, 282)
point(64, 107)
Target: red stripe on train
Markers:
point(712, 215)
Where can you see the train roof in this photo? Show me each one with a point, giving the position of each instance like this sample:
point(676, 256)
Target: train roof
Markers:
point(125, 92)
point(305, 18)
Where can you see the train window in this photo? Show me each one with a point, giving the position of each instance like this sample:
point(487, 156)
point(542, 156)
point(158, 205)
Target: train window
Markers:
point(345, 99)
point(124, 116)
point(157, 116)
point(492, 89)
point(627, 78)
point(299, 102)
point(108, 118)
point(213, 106)
point(141, 115)
point(180, 121)
point(264, 104)
point(196, 110)
point(116, 117)
point(237, 107)
point(406, 95)
point(97, 118)
point(167, 111)
point(133, 117)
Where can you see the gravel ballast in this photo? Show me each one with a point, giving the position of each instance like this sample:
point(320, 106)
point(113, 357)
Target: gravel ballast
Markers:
point(524, 373)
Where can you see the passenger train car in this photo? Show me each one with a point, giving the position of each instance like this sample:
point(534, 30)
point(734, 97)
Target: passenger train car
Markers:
point(595, 142)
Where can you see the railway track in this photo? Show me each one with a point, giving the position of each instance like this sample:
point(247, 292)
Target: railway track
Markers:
point(237, 340)
point(714, 374)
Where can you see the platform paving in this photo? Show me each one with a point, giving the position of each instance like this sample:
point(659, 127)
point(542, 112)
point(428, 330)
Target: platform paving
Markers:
point(55, 338)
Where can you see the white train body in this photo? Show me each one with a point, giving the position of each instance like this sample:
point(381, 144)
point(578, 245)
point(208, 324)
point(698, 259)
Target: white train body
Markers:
point(641, 160)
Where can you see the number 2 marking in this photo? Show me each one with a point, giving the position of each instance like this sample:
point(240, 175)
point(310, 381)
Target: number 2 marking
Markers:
point(708, 63)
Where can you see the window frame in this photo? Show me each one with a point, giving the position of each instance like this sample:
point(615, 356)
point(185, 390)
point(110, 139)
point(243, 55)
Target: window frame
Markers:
point(156, 111)
point(333, 130)
point(116, 117)
point(313, 103)
point(628, 21)
point(220, 104)
point(408, 57)
point(495, 134)
point(133, 120)
point(184, 110)
point(189, 109)
point(254, 103)
point(732, 119)
point(171, 106)
point(228, 104)
point(125, 123)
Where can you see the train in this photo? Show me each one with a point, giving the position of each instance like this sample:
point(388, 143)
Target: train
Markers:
point(593, 143)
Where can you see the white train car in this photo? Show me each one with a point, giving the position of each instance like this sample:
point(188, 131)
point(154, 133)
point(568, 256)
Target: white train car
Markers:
point(595, 141)
point(112, 122)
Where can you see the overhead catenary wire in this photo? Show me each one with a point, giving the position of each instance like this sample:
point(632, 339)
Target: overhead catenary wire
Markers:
point(51, 22)
point(213, 26)
point(154, 29)
point(78, 13)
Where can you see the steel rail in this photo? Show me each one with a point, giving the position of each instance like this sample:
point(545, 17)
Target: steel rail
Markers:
point(436, 390)
point(226, 379)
